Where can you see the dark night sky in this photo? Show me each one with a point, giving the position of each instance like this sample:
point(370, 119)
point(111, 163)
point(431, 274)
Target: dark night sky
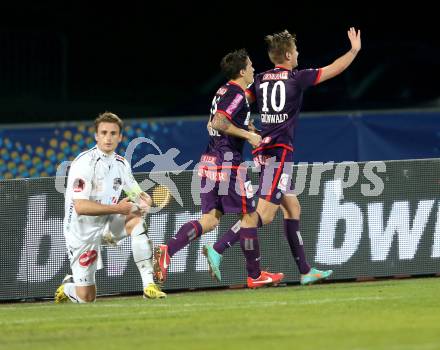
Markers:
point(143, 60)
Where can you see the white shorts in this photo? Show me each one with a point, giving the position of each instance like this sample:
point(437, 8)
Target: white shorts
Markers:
point(85, 259)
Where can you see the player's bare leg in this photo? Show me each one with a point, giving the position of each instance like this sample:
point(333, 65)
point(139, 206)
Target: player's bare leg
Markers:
point(266, 210)
point(187, 233)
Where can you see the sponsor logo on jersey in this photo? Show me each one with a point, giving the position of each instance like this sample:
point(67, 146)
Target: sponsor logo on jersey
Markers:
point(284, 75)
point(88, 258)
point(234, 104)
point(213, 175)
point(78, 185)
point(208, 159)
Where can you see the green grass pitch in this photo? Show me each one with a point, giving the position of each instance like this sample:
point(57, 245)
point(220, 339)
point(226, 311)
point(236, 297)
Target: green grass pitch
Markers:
point(388, 315)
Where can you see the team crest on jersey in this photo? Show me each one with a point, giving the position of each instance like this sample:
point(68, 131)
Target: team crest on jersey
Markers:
point(117, 182)
point(78, 185)
point(222, 91)
point(284, 75)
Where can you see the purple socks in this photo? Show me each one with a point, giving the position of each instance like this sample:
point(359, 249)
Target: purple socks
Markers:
point(291, 230)
point(251, 250)
point(188, 232)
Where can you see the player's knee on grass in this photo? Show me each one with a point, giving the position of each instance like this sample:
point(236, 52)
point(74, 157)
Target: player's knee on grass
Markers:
point(86, 294)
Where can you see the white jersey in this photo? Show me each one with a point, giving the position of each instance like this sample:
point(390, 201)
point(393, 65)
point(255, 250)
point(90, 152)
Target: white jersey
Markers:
point(98, 177)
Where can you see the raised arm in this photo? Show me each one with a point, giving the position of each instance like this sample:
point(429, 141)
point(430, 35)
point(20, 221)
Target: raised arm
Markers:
point(221, 123)
point(340, 64)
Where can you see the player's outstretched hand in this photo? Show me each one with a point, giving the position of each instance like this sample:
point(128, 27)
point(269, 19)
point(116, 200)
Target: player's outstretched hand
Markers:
point(355, 39)
point(124, 206)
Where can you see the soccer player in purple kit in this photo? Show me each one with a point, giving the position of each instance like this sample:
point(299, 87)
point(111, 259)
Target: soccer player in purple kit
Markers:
point(224, 183)
point(279, 93)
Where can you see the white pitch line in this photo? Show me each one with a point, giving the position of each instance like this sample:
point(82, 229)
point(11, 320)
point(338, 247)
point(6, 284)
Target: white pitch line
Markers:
point(150, 308)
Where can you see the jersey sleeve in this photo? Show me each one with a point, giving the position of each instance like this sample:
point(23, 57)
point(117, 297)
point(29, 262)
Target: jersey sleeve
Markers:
point(308, 77)
point(230, 104)
point(130, 185)
point(80, 180)
point(251, 93)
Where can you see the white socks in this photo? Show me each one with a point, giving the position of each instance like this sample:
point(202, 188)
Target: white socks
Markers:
point(141, 247)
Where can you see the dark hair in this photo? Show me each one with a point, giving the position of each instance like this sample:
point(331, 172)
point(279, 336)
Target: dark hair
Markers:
point(233, 63)
point(108, 117)
point(278, 44)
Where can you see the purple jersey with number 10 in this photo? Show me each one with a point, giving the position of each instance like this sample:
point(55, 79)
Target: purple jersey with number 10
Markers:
point(279, 95)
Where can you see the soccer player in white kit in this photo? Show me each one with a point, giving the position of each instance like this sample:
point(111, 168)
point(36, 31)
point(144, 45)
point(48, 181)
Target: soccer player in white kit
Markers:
point(93, 214)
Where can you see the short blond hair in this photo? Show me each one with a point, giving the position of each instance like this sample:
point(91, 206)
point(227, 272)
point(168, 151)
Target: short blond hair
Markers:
point(278, 44)
point(108, 117)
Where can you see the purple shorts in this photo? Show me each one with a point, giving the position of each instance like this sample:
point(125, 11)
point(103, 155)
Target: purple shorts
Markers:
point(276, 173)
point(227, 189)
